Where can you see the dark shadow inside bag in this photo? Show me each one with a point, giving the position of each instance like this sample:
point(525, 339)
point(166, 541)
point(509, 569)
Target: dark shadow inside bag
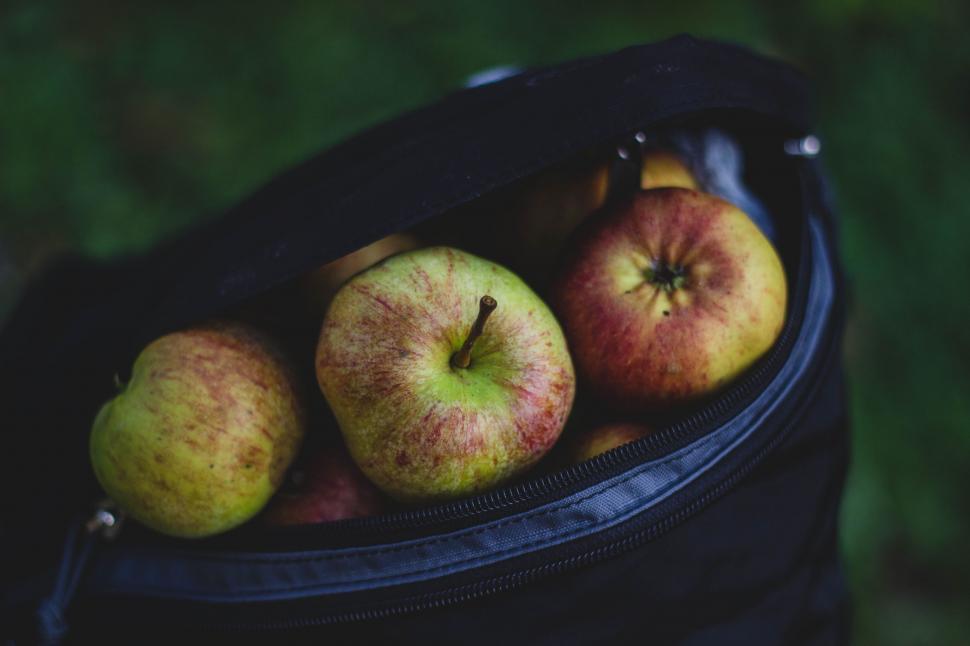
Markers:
point(720, 526)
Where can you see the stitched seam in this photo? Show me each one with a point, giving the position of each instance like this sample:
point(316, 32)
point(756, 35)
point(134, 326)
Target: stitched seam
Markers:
point(586, 525)
point(496, 554)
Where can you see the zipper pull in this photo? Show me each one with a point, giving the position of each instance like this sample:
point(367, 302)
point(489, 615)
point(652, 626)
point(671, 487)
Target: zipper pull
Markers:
point(104, 523)
point(807, 146)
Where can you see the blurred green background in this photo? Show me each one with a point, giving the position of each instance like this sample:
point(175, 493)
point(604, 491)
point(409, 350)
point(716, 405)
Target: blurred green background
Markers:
point(121, 124)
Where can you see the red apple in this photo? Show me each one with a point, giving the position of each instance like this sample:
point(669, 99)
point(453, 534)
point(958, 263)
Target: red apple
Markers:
point(326, 486)
point(668, 297)
point(608, 436)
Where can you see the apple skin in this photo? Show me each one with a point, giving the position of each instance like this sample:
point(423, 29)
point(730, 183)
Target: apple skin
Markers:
point(203, 433)
point(419, 428)
point(608, 436)
point(665, 169)
point(328, 487)
point(640, 346)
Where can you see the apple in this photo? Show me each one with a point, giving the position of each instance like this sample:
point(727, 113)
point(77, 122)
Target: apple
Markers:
point(528, 222)
point(667, 297)
point(532, 226)
point(320, 285)
point(662, 169)
point(202, 434)
point(327, 486)
point(608, 436)
point(446, 373)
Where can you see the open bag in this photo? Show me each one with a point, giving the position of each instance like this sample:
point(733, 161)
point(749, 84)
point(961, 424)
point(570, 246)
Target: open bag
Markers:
point(720, 528)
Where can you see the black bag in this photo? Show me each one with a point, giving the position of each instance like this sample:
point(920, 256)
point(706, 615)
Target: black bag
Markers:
point(720, 528)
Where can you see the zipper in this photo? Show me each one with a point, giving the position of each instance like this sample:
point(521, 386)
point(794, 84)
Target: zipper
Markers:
point(104, 523)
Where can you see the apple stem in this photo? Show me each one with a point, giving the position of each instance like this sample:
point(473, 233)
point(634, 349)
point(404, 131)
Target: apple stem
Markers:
point(463, 358)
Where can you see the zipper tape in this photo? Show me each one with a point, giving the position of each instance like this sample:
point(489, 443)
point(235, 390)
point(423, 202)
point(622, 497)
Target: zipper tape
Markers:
point(242, 577)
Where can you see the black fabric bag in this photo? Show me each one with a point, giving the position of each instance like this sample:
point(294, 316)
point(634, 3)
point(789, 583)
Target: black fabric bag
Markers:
point(721, 528)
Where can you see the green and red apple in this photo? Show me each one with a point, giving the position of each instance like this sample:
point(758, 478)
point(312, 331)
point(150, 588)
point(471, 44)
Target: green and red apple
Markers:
point(668, 297)
point(447, 374)
point(202, 434)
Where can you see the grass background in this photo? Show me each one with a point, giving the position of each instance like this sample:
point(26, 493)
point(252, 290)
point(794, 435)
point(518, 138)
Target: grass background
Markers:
point(121, 124)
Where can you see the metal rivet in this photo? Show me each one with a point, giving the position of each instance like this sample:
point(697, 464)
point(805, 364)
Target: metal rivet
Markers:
point(811, 145)
point(808, 146)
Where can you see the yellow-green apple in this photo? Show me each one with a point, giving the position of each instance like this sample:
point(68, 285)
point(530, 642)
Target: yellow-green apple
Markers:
point(324, 486)
point(606, 437)
point(202, 434)
point(665, 169)
point(447, 374)
point(668, 297)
